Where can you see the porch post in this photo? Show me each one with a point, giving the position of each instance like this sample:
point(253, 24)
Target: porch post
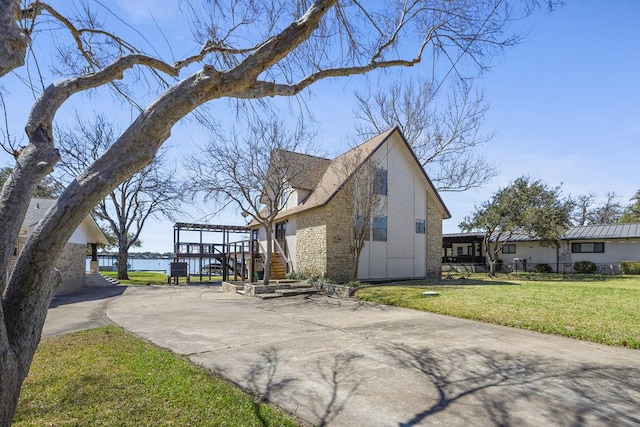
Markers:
point(93, 265)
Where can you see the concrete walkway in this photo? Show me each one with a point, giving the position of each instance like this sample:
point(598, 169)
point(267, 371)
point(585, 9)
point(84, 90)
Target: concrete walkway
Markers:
point(348, 363)
point(80, 310)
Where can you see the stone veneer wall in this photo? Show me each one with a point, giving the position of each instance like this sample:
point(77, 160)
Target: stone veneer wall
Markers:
point(434, 240)
point(339, 236)
point(311, 242)
point(71, 265)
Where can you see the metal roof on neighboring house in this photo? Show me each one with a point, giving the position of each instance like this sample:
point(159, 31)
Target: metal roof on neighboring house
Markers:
point(604, 231)
point(586, 232)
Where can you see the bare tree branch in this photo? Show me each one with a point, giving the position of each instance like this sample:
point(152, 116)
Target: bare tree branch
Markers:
point(443, 138)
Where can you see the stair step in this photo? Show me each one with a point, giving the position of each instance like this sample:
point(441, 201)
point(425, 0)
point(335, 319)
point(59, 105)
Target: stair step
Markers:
point(296, 291)
point(268, 296)
point(241, 292)
point(99, 280)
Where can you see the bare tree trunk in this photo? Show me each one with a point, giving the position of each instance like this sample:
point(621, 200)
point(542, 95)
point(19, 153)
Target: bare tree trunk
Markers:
point(268, 256)
point(11, 377)
point(492, 268)
point(354, 268)
point(123, 259)
point(15, 359)
point(13, 42)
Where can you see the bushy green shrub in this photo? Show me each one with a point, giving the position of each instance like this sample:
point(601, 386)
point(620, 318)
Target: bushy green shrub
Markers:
point(296, 275)
point(584, 267)
point(543, 268)
point(629, 267)
point(319, 280)
point(353, 284)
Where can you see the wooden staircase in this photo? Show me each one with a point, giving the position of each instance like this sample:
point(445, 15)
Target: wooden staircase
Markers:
point(278, 271)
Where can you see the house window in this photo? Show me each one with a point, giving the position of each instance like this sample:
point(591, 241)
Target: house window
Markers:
point(380, 182)
point(281, 230)
point(283, 200)
point(420, 229)
point(459, 250)
point(380, 229)
point(587, 248)
point(509, 248)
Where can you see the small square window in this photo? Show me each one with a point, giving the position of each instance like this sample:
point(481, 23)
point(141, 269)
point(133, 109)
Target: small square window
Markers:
point(380, 182)
point(420, 227)
point(380, 229)
point(509, 249)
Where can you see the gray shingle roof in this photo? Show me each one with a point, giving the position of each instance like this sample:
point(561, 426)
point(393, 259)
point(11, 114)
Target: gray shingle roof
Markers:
point(325, 177)
point(308, 170)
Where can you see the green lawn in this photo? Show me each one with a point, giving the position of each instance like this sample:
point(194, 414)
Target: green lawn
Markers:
point(151, 278)
point(108, 377)
point(605, 311)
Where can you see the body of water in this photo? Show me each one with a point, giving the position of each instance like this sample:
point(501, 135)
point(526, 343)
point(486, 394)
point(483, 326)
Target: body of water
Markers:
point(139, 264)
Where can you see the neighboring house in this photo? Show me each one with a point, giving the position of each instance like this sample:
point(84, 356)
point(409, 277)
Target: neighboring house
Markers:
point(312, 231)
point(72, 260)
point(605, 245)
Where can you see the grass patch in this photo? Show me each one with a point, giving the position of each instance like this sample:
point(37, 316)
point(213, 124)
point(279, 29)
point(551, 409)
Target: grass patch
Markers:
point(152, 278)
point(604, 312)
point(106, 376)
point(139, 277)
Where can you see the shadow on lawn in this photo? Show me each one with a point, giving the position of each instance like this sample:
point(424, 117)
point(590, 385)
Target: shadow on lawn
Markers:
point(515, 389)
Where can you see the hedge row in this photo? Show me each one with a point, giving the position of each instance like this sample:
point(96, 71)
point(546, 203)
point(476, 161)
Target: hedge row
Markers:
point(629, 267)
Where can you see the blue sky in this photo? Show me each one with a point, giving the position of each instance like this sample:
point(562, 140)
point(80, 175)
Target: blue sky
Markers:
point(564, 104)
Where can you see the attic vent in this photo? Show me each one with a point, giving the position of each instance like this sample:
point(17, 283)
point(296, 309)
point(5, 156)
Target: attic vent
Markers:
point(37, 205)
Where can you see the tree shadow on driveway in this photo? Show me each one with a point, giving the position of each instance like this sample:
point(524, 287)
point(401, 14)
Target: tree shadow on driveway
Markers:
point(326, 393)
point(513, 389)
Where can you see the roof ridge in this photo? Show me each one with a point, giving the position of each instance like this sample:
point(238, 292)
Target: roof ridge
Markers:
point(302, 154)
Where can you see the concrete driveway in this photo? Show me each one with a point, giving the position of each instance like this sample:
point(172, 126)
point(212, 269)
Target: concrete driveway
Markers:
point(343, 362)
point(348, 363)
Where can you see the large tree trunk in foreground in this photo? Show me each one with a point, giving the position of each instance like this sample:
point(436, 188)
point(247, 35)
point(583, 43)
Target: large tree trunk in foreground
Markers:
point(123, 259)
point(29, 289)
point(28, 292)
point(16, 359)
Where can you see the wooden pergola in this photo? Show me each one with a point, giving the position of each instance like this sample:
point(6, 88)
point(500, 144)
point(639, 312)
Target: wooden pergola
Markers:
point(235, 257)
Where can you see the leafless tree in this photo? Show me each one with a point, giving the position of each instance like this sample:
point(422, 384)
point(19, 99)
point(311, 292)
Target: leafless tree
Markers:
point(444, 138)
point(250, 51)
point(154, 191)
point(254, 172)
point(607, 212)
point(587, 211)
point(582, 208)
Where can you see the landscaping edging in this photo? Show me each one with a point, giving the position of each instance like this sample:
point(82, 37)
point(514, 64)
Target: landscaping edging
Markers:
point(333, 289)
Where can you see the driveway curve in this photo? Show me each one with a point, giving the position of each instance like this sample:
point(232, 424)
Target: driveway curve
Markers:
point(349, 363)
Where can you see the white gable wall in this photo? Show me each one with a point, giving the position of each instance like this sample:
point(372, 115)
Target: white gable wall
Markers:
point(403, 255)
point(81, 235)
